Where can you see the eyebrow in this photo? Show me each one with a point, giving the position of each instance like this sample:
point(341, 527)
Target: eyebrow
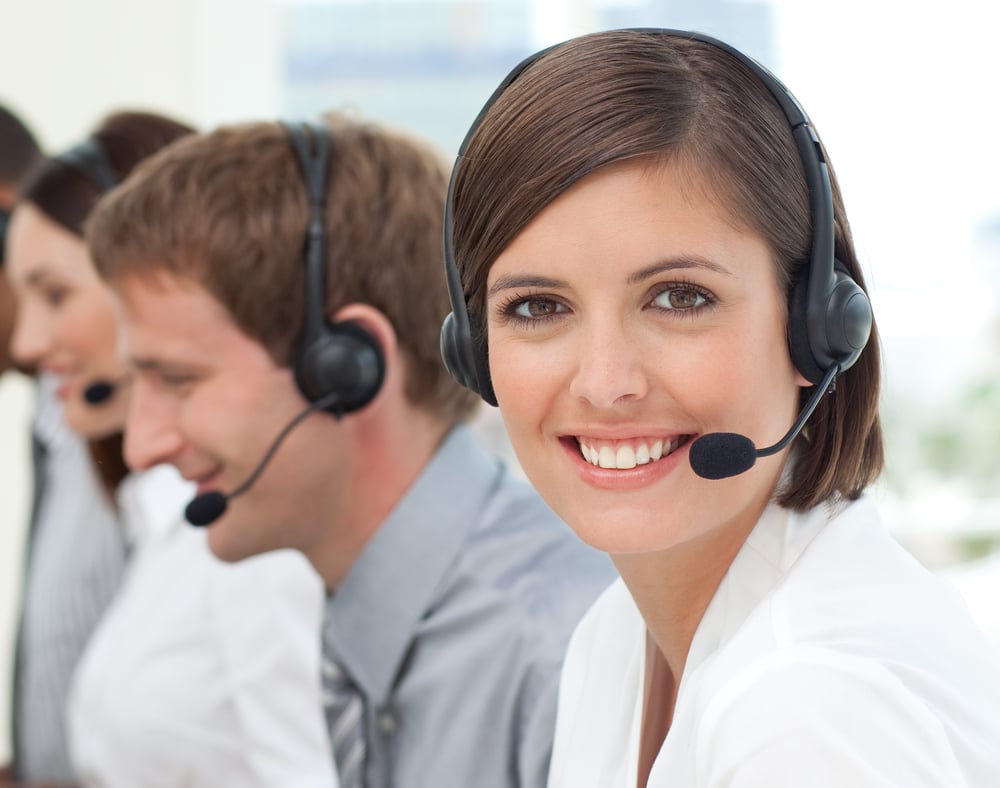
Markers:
point(158, 366)
point(674, 264)
point(37, 276)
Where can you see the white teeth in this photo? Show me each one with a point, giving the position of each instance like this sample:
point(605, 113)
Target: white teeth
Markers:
point(627, 456)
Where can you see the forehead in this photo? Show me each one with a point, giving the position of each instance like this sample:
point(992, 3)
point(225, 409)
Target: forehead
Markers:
point(37, 245)
point(630, 213)
point(165, 316)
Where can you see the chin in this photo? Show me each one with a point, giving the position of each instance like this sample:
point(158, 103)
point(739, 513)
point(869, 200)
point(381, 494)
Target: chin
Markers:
point(624, 535)
point(222, 546)
point(93, 426)
point(233, 538)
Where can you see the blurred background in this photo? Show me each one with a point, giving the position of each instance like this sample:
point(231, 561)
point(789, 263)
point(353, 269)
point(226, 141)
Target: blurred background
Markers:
point(900, 92)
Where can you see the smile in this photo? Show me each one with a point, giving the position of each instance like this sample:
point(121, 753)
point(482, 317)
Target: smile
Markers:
point(623, 455)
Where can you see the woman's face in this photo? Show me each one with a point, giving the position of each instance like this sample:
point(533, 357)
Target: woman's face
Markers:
point(66, 323)
point(631, 316)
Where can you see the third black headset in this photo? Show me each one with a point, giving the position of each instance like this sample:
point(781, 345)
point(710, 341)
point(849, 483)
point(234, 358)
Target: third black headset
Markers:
point(830, 315)
point(340, 361)
point(89, 159)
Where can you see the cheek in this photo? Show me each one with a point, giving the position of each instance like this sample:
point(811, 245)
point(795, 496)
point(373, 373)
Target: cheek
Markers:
point(524, 378)
point(88, 327)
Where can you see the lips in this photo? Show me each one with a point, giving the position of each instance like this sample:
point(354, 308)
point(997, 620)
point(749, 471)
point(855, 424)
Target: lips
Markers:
point(627, 454)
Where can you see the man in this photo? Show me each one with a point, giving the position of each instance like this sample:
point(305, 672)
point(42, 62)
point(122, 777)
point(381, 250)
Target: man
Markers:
point(305, 395)
point(75, 552)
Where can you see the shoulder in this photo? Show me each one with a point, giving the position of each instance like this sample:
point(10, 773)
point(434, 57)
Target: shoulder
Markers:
point(807, 712)
point(606, 647)
point(520, 551)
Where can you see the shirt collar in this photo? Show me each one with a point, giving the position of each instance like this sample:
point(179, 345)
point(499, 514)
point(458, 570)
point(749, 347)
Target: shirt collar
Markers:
point(775, 544)
point(372, 615)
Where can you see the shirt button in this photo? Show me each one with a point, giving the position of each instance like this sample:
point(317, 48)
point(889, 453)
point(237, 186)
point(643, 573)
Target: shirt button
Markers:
point(386, 723)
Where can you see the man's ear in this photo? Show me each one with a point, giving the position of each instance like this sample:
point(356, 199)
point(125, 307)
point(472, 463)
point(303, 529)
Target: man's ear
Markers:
point(375, 323)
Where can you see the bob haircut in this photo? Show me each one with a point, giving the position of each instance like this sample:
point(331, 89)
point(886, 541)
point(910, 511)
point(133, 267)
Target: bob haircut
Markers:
point(656, 97)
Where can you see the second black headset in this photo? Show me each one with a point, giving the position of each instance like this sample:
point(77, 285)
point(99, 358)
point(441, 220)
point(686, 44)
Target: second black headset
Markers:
point(341, 361)
point(830, 316)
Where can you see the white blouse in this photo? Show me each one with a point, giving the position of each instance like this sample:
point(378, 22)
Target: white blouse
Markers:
point(202, 674)
point(828, 657)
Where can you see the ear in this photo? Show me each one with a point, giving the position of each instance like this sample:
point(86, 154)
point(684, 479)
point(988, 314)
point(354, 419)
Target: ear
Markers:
point(378, 326)
point(801, 380)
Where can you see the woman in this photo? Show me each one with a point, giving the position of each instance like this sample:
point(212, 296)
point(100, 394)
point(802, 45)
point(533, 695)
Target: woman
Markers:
point(645, 249)
point(200, 673)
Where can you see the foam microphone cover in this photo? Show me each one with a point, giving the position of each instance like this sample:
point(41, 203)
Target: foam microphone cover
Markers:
point(719, 455)
point(206, 508)
point(98, 392)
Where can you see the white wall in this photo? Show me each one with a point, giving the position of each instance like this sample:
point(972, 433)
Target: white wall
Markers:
point(66, 63)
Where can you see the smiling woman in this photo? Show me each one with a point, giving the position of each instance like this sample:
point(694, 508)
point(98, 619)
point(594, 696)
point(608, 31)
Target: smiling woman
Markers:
point(646, 247)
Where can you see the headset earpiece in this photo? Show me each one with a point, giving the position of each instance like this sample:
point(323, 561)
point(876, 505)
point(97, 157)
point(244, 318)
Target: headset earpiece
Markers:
point(345, 358)
point(832, 330)
point(465, 358)
point(341, 359)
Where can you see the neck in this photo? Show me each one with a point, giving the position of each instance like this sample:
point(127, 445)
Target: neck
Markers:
point(387, 455)
point(673, 588)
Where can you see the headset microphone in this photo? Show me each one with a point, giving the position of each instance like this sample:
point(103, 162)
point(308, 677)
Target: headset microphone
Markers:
point(206, 508)
point(100, 391)
point(719, 455)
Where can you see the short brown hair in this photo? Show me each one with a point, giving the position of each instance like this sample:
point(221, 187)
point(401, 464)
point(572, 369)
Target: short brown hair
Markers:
point(651, 96)
point(229, 210)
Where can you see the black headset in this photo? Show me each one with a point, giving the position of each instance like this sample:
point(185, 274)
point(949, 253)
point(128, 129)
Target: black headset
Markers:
point(830, 316)
point(4, 221)
point(341, 361)
point(90, 160)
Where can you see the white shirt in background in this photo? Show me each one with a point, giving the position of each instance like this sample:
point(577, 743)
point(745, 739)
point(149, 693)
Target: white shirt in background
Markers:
point(17, 394)
point(202, 674)
point(827, 658)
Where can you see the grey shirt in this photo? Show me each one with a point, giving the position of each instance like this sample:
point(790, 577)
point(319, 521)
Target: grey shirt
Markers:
point(454, 622)
point(75, 559)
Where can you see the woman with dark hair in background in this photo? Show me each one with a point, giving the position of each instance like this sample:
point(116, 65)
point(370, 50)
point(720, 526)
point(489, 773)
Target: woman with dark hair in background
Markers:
point(200, 673)
point(74, 550)
point(651, 270)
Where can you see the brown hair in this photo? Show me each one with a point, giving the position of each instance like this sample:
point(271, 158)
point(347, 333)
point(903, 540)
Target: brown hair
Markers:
point(643, 96)
point(67, 195)
point(229, 210)
point(19, 149)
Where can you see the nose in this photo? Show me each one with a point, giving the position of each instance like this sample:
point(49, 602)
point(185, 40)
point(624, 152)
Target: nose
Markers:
point(31, 340)
point(152, 435)
point(610, 368)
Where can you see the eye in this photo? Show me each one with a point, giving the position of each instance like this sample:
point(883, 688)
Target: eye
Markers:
point(537, 307)
point(55, 296)
point(682, 298)
point(529, 310)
